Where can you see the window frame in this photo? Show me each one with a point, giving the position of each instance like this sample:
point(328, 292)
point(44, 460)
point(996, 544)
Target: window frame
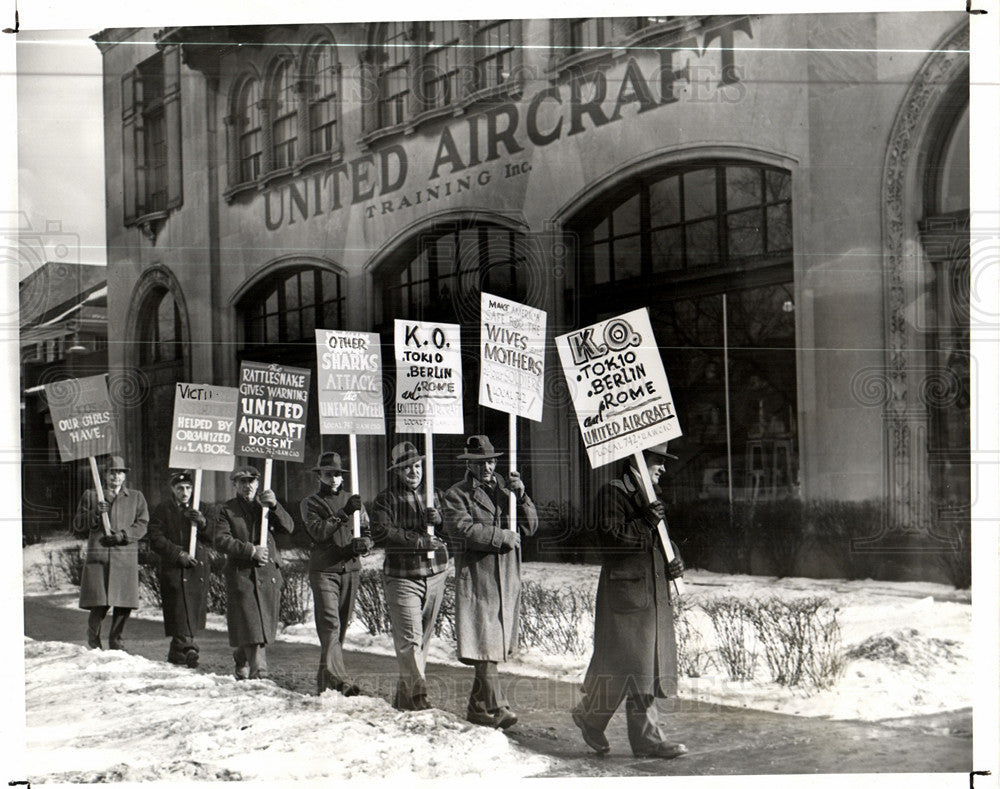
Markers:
point(330, 129)
point(282, 118)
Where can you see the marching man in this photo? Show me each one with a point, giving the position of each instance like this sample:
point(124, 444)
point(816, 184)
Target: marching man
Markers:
point(111, 571)
point(183, 577)
point(253, 572)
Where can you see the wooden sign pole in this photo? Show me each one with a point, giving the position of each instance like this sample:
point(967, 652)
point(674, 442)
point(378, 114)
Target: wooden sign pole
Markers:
point(99, 488)
point(195, 501)
point(355, 482)
point(264, 514)
point(512, 431)
point(661, 527)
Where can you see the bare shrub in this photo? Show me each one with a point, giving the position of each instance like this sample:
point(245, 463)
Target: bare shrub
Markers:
point(444, 625)
point(800, 639)
point(149, 586)
point(369, 605)
point(296, 594)
point(70, 562)
point(693, 658)
point(957, 561)
point(734, 632)
point(549, 619)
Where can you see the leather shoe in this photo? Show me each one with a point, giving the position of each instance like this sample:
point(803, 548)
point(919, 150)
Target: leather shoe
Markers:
point(592, 736)
point(242, 667)
point(94, 643)
point(260, 673)
point(191, 658)
point(665, 750)
point(481, 718)
point(421, 703)
point(505, 718)
point(119, 644)
point(349, 689)
point(177, 660)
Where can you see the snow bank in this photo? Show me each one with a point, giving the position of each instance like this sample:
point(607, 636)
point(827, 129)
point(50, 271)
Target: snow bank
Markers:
point(136, 720)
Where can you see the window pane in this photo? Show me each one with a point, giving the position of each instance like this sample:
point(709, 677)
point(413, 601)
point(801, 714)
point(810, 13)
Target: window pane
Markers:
point(702, 244)
point(665, 202)
point(272, 329)
point(601, 231)
point(743, 187)
point(602, 268)
point(779, 228)
point(626, 217)
point(628, 258)
point(292, 293)
point(668, 250)
point(331, 315)
point(778, 186)
point(746, 235)
point(699, 193)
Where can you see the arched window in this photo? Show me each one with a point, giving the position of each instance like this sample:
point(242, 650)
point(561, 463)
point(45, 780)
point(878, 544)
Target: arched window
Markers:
point(707, 247)
point(494, 48)
point(284, 111)
point(250, 140)
point(323, 72)
point(394, 78)
point(289, 306)
point(440, 66)
point(160, 330)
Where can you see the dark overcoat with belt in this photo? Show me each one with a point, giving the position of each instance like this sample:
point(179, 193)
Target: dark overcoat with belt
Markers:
point(633, 621)
point(183, 590)
point(111, 574)
point(487, 582)
point(253, 594)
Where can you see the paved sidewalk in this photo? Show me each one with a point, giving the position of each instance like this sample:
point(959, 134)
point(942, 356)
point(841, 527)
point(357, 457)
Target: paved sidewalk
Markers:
point(721, 740)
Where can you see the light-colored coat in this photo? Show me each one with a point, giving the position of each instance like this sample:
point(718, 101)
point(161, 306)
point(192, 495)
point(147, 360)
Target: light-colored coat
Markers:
point(633, 621)
point(111, 574)
point(253, 594)
point(487, 582)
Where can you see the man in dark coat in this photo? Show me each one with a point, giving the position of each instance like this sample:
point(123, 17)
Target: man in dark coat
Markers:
point(111, 570)
point(334, 566)
point(635, 651)
point(183, 577)
point(414, 570)
point(253, 571)
point(487, 574)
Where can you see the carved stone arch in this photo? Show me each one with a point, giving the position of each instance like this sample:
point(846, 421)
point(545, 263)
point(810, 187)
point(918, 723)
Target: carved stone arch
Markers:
point(904, 283)
point(154, 280)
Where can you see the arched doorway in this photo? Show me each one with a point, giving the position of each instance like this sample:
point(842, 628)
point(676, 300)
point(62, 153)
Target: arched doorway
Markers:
point(707, 247)
point(438, 274)
point(277, 316)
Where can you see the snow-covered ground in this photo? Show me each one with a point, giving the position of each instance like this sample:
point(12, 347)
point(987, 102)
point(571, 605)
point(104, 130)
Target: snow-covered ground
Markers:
point(928, 627)
point(133, 719)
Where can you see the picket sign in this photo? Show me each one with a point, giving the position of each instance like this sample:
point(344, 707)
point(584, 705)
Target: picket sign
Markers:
point(99, 487)
point(195, 501)
point(512, 430)
point(355, 482)
point(266, 509)
point(661, 527)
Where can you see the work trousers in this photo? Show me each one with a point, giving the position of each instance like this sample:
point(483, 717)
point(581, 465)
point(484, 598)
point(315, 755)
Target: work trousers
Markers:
point(603, 696)
point(333, 604)
point(251, 661)
point(119, 616)
point(487, 695)
point(414, 604)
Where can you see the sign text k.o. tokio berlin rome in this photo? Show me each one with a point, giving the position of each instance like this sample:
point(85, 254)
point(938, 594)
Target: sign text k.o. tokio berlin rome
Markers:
point(377, 179)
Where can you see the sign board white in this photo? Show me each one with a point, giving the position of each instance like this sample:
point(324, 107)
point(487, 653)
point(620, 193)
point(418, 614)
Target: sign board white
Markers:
point(512, 357)
point(273, 405)
point(428, 377)
point(349, 382)
point(204, 428)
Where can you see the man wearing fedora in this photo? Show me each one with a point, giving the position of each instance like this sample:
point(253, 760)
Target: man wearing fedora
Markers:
point(635, 651)
point(111, 571)
point(334, 566)
point(414, 570)
point(487, 573)
point(253, 571)
point(183, 577)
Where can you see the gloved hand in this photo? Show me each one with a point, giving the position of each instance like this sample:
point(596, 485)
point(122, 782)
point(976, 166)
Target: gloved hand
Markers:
point(260, 555)
point(432, 517)
point(511, 540)
point(353, 505)
point(108, 540)
point(121, 537)
point(187, 560)
point(360, 546)
point(268, 499)
point(427, 542)
point(654, 512)
point(195, 517)
point(515, 484)
point(675, 569)
point(102, 506)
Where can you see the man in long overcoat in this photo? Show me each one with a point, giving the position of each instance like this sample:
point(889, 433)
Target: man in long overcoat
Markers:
point(635, 651)
point(487, 573)
point(183, 577)
point(253, 571)
point(111, 570)
point(414, 571)
point(334, 566)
